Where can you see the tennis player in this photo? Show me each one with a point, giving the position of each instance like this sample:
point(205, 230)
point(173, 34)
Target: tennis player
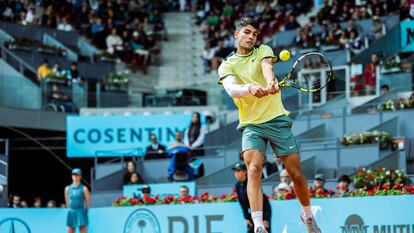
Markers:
point(248, 77)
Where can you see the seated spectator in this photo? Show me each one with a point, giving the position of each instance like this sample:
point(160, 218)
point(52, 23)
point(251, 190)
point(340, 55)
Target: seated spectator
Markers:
point(82, 20)
point(155, 150)
point(97, 32)
point(331, 39)
point(58, 71)
point(15, 201)
point(208, 54)
point(355, 45)
point(325, 32)
point(343, 40)
point(73, 74)
point(64, 25)
point(292, 23)
point(153, 49)
point(336, 29)
point(197, 166)
point(184, 192)
point(24, 204)
point(48, 18)
point(195, 134)
point(297, 40)
point(220, 54)
point(376, 28)
point(51, 204)
point(135, 179)
point(179, 168)
point(37, 202)
point(59, 101)
point(319, 183)
point(145, 191)
point(114, 43)
point(137, 44)
point(281, 191)
point(370, 75)
point(130, 169)
point(343, 185)
point(178, 140)
point(384, 89)
point(353, 27)
point(284, 177)
point(44, 70)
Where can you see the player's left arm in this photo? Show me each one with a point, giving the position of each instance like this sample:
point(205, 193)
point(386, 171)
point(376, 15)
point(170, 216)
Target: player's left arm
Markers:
point(269, 75)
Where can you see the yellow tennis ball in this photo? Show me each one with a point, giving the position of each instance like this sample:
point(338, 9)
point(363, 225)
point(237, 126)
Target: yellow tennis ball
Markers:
point(284, 55)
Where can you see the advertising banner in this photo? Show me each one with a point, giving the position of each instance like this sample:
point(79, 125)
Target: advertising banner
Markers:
point(407, 36)
point(388, 214)
point(159, 189)
point(100, 136)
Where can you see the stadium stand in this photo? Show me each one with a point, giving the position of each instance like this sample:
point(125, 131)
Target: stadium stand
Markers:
point(144, 67)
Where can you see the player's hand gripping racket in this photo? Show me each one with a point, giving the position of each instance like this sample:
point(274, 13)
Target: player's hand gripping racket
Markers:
point(307, 73)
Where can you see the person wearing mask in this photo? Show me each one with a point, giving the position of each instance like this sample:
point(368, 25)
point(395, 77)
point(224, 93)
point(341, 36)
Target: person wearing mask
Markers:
point(77, 198)
point(240, 172)
point(195, 134)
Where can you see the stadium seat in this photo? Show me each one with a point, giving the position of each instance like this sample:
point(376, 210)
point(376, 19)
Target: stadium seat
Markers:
point(346, 171)
point(329, 173)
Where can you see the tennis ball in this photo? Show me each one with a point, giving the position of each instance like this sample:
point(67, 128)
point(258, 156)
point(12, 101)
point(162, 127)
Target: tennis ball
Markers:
point(284, 55)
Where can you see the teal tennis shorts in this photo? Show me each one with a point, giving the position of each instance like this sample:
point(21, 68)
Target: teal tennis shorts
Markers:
point(277, 132)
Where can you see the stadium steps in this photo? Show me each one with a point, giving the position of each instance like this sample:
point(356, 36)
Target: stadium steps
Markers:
point(179, 53)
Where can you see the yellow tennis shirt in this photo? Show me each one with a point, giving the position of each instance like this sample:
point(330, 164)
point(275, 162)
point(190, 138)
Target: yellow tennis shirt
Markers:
point(247, 69)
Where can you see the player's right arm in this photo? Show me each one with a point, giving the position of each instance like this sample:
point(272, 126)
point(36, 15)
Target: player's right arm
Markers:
point(234, 90)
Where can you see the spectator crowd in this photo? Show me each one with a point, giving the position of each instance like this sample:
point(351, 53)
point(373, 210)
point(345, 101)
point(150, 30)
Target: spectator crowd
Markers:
point(126, 31)
point(216, 19)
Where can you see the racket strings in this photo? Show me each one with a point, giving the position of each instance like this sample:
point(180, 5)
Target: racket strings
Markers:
point(311, 70)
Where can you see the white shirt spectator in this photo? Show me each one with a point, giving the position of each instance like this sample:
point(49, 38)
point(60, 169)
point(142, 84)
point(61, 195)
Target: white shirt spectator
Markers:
point(29, 17)
point(64, 27)
point(200, 139)
point(113, 42)
point(209, 53)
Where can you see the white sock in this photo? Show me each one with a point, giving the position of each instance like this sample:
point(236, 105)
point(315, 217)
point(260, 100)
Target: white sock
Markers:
point(307, 212)
point(257, 217)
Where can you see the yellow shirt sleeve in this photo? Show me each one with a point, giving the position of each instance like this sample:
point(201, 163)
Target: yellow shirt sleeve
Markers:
point(265, 51)
point(224, 70)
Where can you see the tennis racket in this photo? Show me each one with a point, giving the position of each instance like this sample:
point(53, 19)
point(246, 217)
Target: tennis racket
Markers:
point(310, 73)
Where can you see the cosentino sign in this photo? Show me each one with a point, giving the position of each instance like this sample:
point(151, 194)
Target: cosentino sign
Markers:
point(355, 224)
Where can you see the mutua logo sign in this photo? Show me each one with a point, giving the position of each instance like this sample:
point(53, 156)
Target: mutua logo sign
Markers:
point(355, 224)
point(14, 225)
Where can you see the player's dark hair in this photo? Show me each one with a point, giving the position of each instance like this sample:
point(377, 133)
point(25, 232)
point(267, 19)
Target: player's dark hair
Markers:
point(244, 21)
